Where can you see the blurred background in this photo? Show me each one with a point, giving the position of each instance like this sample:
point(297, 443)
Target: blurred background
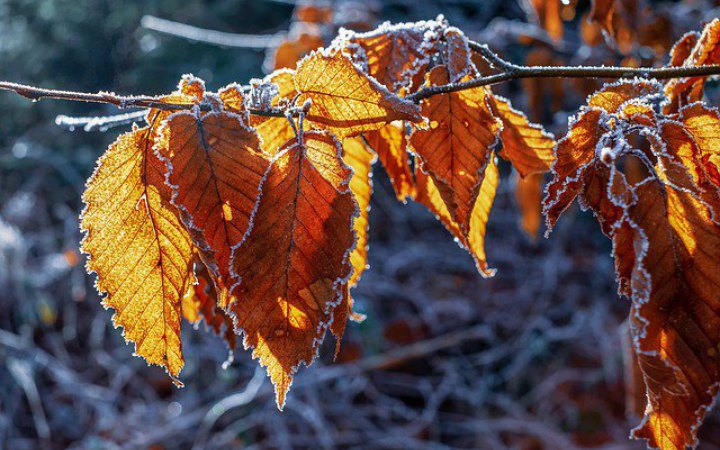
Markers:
point(530, 359)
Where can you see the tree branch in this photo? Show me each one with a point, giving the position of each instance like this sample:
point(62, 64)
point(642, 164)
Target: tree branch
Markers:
point(140, 101)
point(509, 72)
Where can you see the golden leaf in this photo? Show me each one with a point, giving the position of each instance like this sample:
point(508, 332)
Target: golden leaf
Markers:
point(138, 247)
point(474, 240)
point(275, 131)
point(528, 193)
point(454, 150)
point(344, 99)
point(391, 147)
point(215, 166)
point(526, 145)
point(360, 159)
point(295, 261)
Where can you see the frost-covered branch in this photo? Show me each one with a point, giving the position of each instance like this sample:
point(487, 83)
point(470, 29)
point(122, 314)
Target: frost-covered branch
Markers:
point(509, 71)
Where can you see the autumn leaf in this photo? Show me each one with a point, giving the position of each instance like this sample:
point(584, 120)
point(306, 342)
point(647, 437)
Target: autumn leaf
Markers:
point(455, 149)
point(706, 51)
point(200, 304)
point(296, 258)
point(548, 15)
point(275, 131)
point(292, 50)
point(674, 307)
point(528, 193)
point(474, 240)
point(360, 159)
point(215, 166)
point(390, 144)
point(395, 55)
point(138, 248)
point(457, 55)
point(526, 145)
point(344, 99)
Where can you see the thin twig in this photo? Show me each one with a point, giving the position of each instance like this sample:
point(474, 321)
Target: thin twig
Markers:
point(510, 72)
point(251, 41)
point(102, 123)
point(517, 72)
point(139, 101)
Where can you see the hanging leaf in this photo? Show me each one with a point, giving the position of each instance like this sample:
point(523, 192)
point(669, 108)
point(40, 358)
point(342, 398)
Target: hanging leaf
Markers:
point(138, 248)
point(344, 99)
point(296, 259)
point(526, 145)
point(528, 193)
point(360, 159)
point(215, 166)
point(391, 147)
point(454, 150)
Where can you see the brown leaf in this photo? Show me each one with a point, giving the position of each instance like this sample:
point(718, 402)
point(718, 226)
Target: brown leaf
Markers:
point(528, 193)
point(138, 247)
point(344, 99)
point(200, 303)
point(683, 91)
point(396, 55)
point(474, 240)
point(454, 150)
point(215, 166)
point(360, 159)
point(391, 147)
point(295, 262)
point(526, 145)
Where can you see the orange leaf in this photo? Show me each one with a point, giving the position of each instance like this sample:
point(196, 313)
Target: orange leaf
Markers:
point(295, 261)
point(474, 240)
point(200, 303)
point(528, 193)
point(391, 147)
point(675, 306)
point(344, 99)
point(138, 247)
point(290, 51)
point(575, 153)
point(548, 14)
point(360, 159)
point(396, 55)
point(275, 131)
point(683, 91)
point(455, 149)
point(215, 167)
point(526, 145)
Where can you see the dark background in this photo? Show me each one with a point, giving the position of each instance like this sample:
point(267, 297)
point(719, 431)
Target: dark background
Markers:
point(530, 359)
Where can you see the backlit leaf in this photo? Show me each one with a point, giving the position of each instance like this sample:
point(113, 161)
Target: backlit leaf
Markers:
point(138, 247)
point(295, 261)
point(214, 167)
point(344, 99)
point(528, 193)
point(391, 147)
point(360, 159)
point(526, 145)
point(455, 149)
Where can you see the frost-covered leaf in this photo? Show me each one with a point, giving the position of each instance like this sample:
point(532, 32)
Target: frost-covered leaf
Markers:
point(683, 91)
point(526, 145)
point(390, 144)
point(360, 159)
point(344, 99)
point(138, 247)
point(473, 240)
point(396, 55)
point(455, 148)
point(214, 168)
point(295, 261)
